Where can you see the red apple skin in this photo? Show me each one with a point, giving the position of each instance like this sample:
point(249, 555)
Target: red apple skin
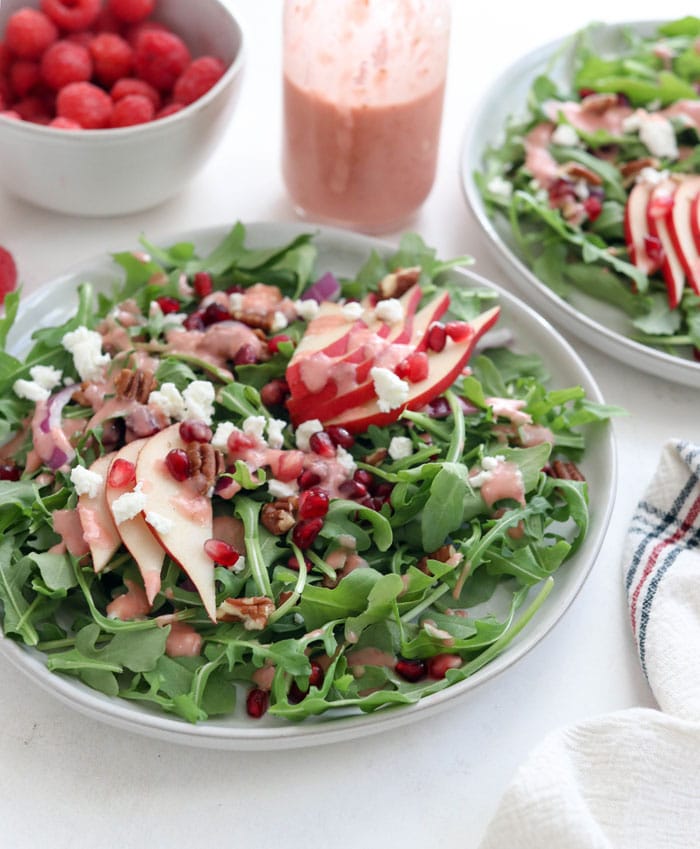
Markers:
point(637, 227)
point(683, 228)
point(445, 368)
point(658, 224)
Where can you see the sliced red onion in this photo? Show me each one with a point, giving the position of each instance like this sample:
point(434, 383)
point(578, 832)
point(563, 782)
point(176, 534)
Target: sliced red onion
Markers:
point(326, 288)
point(50, 440)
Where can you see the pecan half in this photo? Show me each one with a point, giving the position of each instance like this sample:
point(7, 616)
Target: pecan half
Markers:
point(599, 102)
point(279, 516)
point(206, 464)
point(631, 170)
point(135, 384)
point(376, 457)
point(576, 171)
point(444, 554)
point(566, 470)
point(253, 611)
point(398, 282)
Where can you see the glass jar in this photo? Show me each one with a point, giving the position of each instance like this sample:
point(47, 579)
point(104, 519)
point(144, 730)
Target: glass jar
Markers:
point(363, 91)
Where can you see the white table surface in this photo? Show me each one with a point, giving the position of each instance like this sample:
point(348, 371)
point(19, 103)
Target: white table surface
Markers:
point(79, 783)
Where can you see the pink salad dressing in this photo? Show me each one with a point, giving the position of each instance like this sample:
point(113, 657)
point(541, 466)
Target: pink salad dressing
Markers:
point(132, 604)
point(67, 525)
point(218, 344)
point(183, 641)
point(506, 481)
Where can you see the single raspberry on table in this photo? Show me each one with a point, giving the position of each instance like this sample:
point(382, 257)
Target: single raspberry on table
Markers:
point(112, 57)
point(29, 32)
point(160, 57)
point(130, 85)
point(8, 273)
point(65, 62)
point(197, 78)
point(131, 11)
point(72, 15)
point(24, 76)
point(132, 109)
point(85, 103)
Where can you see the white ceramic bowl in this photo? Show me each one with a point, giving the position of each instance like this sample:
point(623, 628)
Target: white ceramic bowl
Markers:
point(118, 171)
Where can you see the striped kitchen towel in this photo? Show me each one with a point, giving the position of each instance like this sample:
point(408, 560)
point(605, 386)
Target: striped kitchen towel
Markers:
point(631, 779)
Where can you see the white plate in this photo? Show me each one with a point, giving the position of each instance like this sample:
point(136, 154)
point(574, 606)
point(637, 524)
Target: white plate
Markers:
point(344, 253)
point(591, 320)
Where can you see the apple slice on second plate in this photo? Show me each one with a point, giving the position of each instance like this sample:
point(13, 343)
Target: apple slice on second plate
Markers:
point(659, 214)
point(680, 225)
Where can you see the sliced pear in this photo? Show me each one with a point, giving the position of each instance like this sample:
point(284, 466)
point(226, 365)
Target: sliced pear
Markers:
point(136, 536)
point(179, 503)
point(659, 213)
point(681, 228)
point(99, 530)
point(637, 228)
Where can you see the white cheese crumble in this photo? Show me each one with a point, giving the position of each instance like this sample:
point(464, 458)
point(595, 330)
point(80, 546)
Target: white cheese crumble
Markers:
point(221, 435)
point(566, 136)
point(275, 439)
point(128, 505)
point(235, 301)
point(345, 459)
point(86, 482)
point(305, 431)
point(279, 321)
point(352, 310)
point(307, 309)
point(30, 390)
point(46, 376)
point(160, 524)
point(500, 186)
point(659, 137)
point(280, 489)
point(400, 447)
point(651, 176)
point(86, 348)
point(389, 310)
point(391, 391)
point(199, 400)
point(169, 400)
point(255, 426)
point(488, 465)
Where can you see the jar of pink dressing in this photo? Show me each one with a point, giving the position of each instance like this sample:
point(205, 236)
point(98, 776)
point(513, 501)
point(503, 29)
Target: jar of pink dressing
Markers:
point(363, 90)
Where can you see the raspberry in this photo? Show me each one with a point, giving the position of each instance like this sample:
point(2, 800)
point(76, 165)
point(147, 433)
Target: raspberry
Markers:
point(112, 57)
point(132, 109)
point(34, 108)
point(5, 58)
point(11, 113)
point(65, 62)
point(8, 273)
point(24, 76)
point(131, 11)
point(134, 32)
point(197, 78)
point(160, 58)
point(130, 85)
point(65, 124)
point(29, 32)
point(72, 15)
point(106, 21)
point(170, 109)
point(85, 103)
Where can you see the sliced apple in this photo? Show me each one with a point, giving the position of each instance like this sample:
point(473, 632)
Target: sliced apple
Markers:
point(99, 530)
point(444, 369)
point(143, 546)
point(683, 235)
point(659, 213)
point(637, 228)
point(189, 512)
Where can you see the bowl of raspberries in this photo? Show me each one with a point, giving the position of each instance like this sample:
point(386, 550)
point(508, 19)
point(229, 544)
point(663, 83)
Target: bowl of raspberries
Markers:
point(109, 107)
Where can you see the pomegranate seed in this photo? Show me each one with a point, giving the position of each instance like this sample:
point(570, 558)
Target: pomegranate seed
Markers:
point(221, 552)
point(363, 477)
point(593, 207)
point(437, 336)
point(288, 465)
point(257, 702)
point(293, 564)
point(274, 393)
point(214, 313)
point(561, 190)
point(414, 367)
point(274, 343)
point(177, 464)
point(458, 330)
point(225, 487)
point(195, 431)
point(168, 305)
point(307, 479)
point(373, 503)
point(122, 473)
point(321, 443)
point(313, 503)
point(438, 665)
point(340, 436)
point(585, 92)
point(9, 471)
point(306, 531)
point(654, 248)
point(193, 322)
point(202, 284)
point(236, 289)
point(239, 442)
point(352, 489)
point(384, 490)
point(410, 670)
point(296, 694)
point(245, 356)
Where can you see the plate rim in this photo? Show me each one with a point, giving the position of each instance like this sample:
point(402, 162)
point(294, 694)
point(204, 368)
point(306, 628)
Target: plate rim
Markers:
point(119, 712)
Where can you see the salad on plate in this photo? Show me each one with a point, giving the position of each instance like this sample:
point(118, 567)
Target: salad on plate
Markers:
point(599, 182)
point(237, 483)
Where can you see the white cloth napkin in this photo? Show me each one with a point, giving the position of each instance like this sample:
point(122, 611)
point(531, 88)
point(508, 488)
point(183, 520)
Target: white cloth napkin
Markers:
point(631, 779)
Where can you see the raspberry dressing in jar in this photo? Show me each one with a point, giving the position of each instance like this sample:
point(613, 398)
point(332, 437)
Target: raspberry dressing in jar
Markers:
point(363, 91)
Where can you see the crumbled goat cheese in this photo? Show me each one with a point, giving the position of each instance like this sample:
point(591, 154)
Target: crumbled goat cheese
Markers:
point(389, 310)
point(279, 321)
point(307, 309)
point(128, 505)
point(352, 310)
point(582, 190)
point(46, 376)
point(30, 390)
point(235, 302)
point(86, 482)
point(391, 391)
point(86, 347)
point(169, 400)
point(566, 136)
point(651, 176)
point(275, 439)
point(221, 435)
point(345, 459)
point(488, 465)
point(255, 426)
point(659, 137)
point(280, 489)
point(159, 523)
point(500, 186)
point(199, 400)
point(305, 431)
point(400, 447)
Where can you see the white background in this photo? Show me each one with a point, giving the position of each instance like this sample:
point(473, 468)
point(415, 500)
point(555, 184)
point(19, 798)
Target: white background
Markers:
point(68, 781)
